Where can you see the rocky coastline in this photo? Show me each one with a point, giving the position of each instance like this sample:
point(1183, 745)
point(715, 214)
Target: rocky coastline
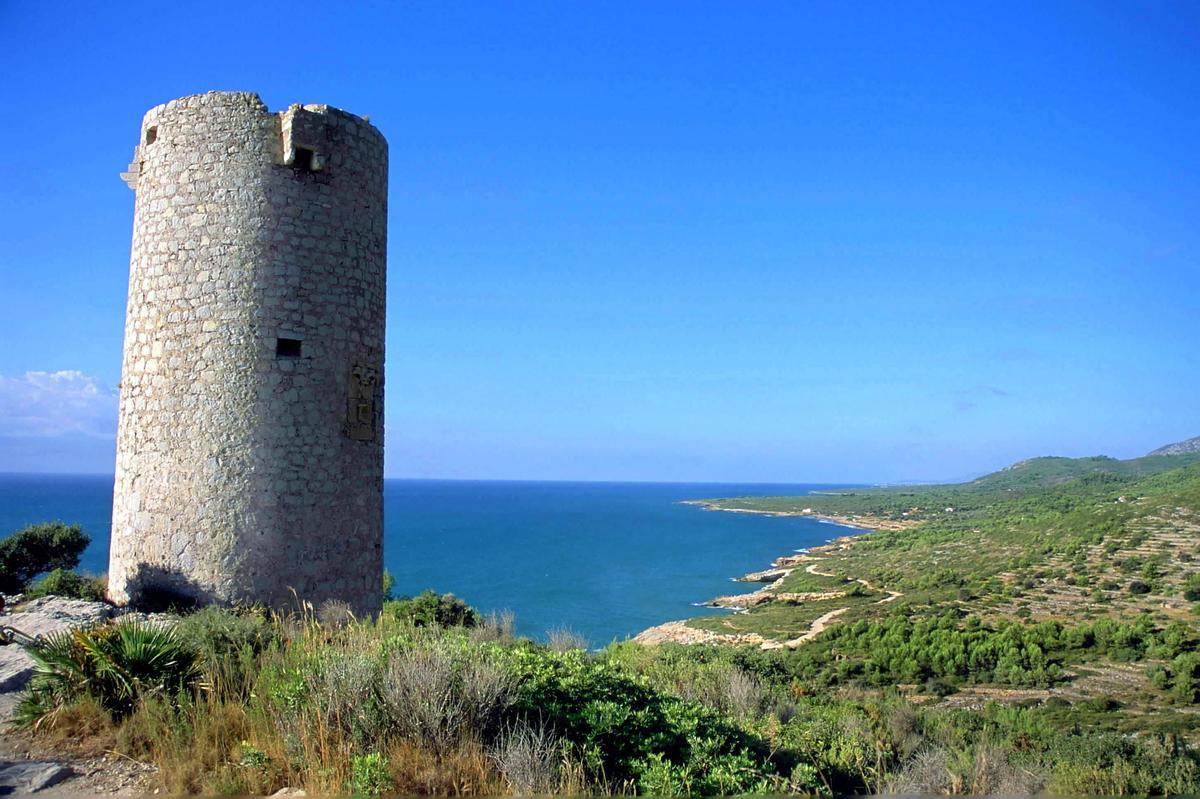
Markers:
point(865, 522)
point(680, 632)
point(781, 567)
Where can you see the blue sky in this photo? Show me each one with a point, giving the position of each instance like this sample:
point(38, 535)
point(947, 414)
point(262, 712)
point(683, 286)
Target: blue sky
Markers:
point(657, 241)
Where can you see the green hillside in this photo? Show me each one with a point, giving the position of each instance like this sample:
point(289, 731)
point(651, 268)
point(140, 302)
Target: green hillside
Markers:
point(1065, 583)
point(904, 502)
point(1050, 471)
point(1042, 641)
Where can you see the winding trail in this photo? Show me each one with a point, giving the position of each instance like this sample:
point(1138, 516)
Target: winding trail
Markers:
point(892, 596)
point(679, 632)
point(816, 628)
point(820, 623)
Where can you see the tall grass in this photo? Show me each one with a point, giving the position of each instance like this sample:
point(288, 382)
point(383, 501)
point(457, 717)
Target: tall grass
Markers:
point(400, 705)
point(329, 709)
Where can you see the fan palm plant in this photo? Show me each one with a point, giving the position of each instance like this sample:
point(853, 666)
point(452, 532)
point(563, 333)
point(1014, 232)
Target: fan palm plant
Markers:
point(117, 665)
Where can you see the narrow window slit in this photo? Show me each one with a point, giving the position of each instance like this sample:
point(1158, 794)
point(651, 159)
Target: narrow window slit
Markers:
point(151, 134)
point(287, 348)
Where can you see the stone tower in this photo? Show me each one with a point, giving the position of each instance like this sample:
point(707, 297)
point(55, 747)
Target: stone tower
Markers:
point(250, 443)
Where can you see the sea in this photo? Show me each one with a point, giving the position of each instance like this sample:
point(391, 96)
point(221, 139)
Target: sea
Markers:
point(602, 560)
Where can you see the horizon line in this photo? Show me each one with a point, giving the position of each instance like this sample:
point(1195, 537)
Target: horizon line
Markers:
point(838, 484)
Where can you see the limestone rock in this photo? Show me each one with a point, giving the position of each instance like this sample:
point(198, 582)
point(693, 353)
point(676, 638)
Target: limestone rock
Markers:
point(52, 614)
point(1179, 448)
point(16, 667)
point(31, 776)
point(43, 616)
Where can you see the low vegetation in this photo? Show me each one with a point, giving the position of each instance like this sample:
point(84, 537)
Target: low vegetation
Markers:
point(1037, 631)
point(245, 702)
point(64, 583)
point(38, 549)
point(1052, 581)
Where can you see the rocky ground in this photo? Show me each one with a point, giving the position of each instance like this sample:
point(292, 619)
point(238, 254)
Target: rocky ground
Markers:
point(26, 764)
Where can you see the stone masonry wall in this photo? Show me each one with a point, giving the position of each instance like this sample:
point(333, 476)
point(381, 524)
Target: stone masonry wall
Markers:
point(250, 442)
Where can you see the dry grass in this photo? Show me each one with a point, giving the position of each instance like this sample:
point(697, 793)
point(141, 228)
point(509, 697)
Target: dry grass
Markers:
point(465, 770)
point(83, 728)
point(323, 695)
point(984, 770)
point(563, 639)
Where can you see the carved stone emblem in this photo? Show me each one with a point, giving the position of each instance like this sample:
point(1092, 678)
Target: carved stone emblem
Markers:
point(360, 402)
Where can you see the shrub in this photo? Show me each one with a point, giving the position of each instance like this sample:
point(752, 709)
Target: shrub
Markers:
point(495, 627)
point(440, 694)
point(335, 613)
point(37, 549)
point(631, 735)
point(344, 688)
point(116, 665)
point(562, 639)
point(1186, 683)
point(228, 643)
point(527, 756)
point(432, 610)
point(1099, 704)
point(1138, 587)
point(1159, 677)
point(983, 769)
point(369, 775)
point(61, 582)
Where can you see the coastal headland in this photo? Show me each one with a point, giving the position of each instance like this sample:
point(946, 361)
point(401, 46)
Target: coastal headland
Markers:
point(860, 521)
point(775, 592)
point(1074, 580)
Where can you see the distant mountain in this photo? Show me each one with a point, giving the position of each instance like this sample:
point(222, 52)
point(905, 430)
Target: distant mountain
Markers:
point(1179, 448)
point(1050, 471)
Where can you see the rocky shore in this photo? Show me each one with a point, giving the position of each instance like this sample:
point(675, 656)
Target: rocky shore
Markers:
point(859, 521)
point(680, 632)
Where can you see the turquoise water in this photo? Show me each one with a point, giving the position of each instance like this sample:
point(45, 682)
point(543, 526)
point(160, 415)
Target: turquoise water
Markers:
point(605, 560)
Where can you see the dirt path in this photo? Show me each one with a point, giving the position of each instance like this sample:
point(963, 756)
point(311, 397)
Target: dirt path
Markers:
point(891, 595)
point(679, 632)
point(74, 774)
point(816, 628)
point(821, 623)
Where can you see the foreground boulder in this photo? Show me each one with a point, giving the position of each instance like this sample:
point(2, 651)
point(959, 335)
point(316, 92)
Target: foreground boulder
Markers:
point(43, 616)
point(31, 776)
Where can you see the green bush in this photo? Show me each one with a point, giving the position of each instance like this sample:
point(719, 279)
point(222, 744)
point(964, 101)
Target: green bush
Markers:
point(629, 733)
point(38, 549)
point(369, 775)
point(429, 609)
point(227, 643)
point(116, 665)
point(1186, 672)
point(62, 582)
